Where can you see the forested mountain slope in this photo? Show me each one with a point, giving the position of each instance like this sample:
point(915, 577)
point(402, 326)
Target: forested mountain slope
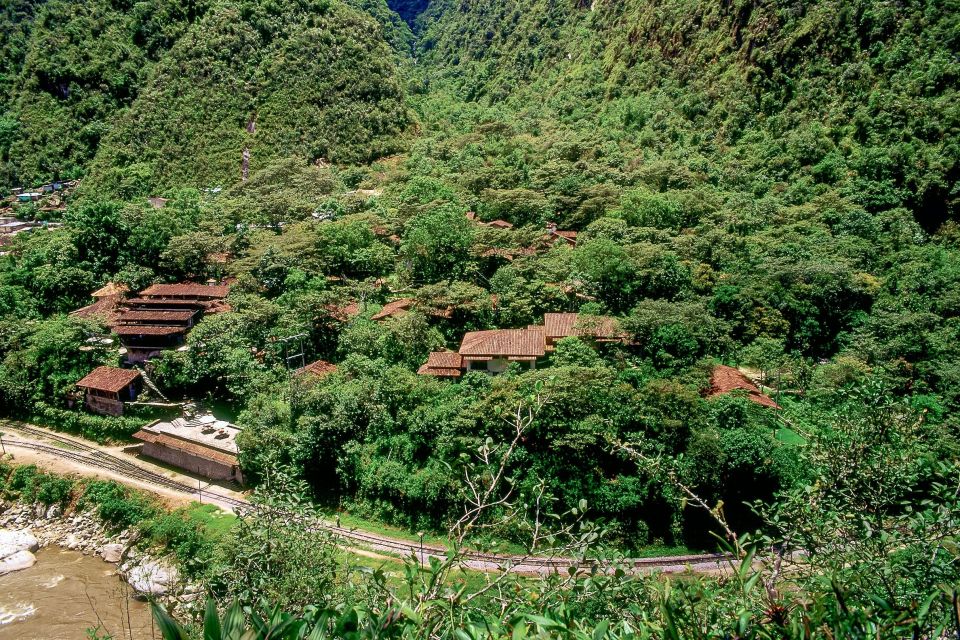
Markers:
point(312, 80)
point(70, 67)
point(763, 97)
point(769, 184)
point(175, 91)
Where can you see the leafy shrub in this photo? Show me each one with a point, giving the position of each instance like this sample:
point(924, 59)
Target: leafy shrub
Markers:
point(116, 505)
point(22, 478)
point(29, 484)
point(178, 533)
point(97, 428)
point(51, 489)
point(5, 470)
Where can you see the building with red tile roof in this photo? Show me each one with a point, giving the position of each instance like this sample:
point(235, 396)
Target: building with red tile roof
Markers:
point(394, 309)
point(105, 310)
point(344, 312)
point(182, 317)
point(724, 380)
point(106, 306)
point(205, 446)
point(564, 325)
point(555, 235)
point(443, 364)
point(160, 316)
point(107, 388)
point(494, 350)
point(318, 369)
point(186, 290)
point(125, 331)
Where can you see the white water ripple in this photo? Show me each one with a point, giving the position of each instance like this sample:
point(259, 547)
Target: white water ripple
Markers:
point(19, 611)
point(52, 582)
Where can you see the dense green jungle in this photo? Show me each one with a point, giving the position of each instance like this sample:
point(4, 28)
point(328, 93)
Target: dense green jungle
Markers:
point(771, 187)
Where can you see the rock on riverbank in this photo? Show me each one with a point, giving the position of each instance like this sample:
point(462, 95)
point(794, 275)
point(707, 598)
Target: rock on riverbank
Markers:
point(26, 528)
point(16, 550)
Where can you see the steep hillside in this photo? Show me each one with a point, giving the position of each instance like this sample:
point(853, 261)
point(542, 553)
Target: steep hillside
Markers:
point(172, 87)
point(16, 16)
point(859, 96)
point(409, 10)
point(311, 79)
point(70, 67)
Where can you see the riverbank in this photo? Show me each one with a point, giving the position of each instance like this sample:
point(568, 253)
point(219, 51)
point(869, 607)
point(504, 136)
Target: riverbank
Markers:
point(66, 593)
point(149, 575)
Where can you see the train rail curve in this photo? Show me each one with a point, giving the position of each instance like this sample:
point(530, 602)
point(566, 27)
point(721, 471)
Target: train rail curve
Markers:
point(77, 451)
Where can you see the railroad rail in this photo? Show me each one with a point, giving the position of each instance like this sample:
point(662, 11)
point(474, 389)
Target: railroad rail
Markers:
point(82, 453)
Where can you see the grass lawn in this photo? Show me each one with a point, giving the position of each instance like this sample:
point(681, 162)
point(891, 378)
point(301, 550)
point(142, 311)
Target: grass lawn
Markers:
point(215, 522)
point(395, 572)
point(348, 521)
point(789, 436)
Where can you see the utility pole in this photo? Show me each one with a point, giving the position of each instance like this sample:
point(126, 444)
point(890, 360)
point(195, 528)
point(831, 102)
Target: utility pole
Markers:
point(288, 356)
point(291, 358)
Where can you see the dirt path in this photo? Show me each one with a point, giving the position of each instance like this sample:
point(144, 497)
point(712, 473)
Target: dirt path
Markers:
point(64, 454)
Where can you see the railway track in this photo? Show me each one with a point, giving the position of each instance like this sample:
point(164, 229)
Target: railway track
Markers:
point(89, 455)
point(82, 453)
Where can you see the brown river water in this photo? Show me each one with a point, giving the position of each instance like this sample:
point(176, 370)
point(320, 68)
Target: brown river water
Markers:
point(64, 594)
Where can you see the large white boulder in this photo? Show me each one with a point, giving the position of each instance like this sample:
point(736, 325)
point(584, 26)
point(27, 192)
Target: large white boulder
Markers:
point(16, 561)
point(153, 578)
point(16, 549)
point(13, 541)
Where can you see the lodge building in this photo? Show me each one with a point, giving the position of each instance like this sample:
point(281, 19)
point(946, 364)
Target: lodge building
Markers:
point(107, 388)
point(495, 350)
point(204, 446)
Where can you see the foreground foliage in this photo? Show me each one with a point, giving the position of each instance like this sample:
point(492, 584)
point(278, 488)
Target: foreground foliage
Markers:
point(848, 555)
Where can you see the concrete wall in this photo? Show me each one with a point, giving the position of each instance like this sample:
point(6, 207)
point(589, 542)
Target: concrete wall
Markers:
point(194, 464)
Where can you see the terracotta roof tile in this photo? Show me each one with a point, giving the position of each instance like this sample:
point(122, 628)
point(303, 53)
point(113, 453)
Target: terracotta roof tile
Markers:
point(562, 325)
point(394, 308)
point(190, 289)
point(146, 317)
point(147, 330)
point(500, 224)
point(443, 364)
point(106, 309)
point(187, 447)
point(216, 306)
point(343, 313)
point(445, 359)
point(165, 302)
point(109, 379)
point(503, 342)
point(726, 379)
point(554, 236)
point(319, 369)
